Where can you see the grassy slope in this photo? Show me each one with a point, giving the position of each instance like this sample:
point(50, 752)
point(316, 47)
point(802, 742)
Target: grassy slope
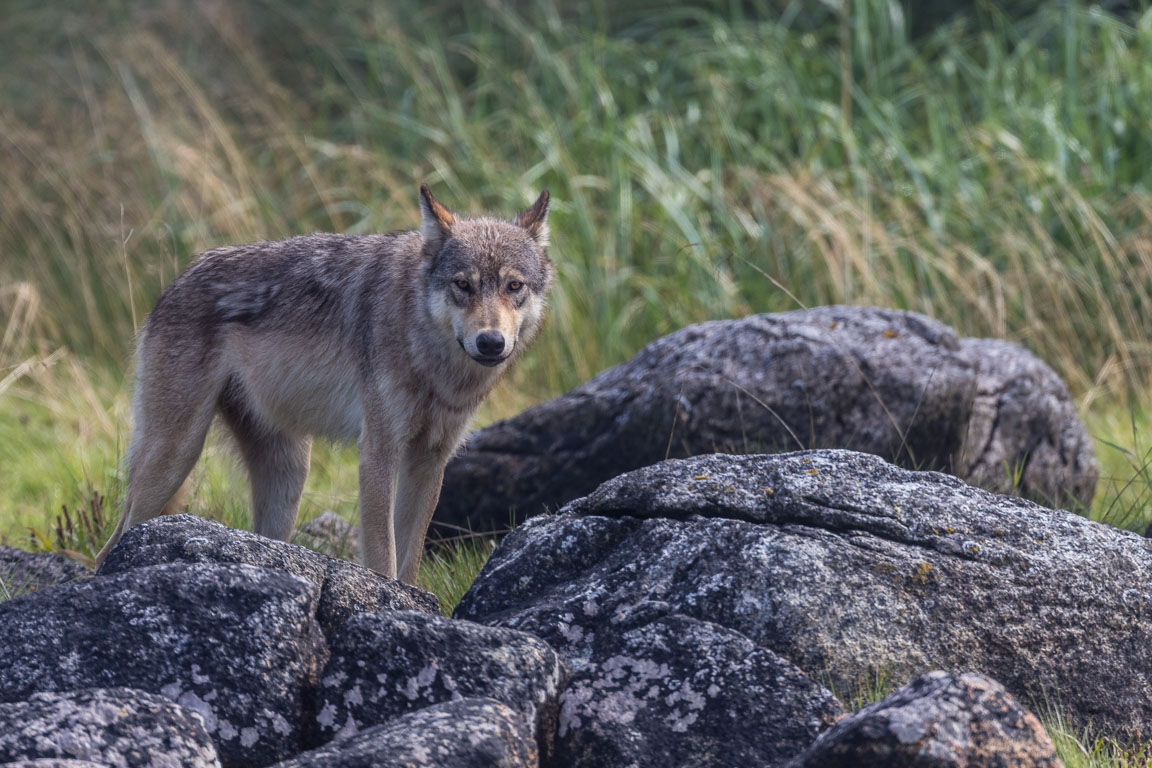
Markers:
point(992, 174)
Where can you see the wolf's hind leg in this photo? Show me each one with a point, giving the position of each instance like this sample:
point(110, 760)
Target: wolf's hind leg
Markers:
point(277, 468)
point(166, 443)
point(277, 465)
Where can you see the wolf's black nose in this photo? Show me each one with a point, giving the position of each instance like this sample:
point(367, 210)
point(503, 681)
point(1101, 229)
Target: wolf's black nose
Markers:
point(490, 343)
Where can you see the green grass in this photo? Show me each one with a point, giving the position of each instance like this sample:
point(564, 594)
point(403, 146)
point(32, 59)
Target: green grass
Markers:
point(706, 159)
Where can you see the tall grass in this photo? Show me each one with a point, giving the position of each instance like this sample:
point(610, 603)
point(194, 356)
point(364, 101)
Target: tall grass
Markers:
point(991, 173)
point(994, 176)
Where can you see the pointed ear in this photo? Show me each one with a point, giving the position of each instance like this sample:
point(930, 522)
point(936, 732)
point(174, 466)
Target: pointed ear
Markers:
point(535, 220)
point(436, 221)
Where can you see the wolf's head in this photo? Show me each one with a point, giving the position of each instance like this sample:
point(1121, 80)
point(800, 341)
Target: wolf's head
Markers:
point(487, 278)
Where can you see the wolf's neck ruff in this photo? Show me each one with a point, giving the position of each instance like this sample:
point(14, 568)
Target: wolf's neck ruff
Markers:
point(390, 340)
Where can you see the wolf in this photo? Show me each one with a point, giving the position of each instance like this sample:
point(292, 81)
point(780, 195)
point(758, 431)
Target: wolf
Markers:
point(391, 340)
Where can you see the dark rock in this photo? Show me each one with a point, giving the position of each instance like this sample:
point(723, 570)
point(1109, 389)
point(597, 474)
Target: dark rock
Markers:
point(465, 733)
point(387, 664)
point(115, 726)
point(22, 571)
point(938, 720)
point(1024, 435)
point(848, 567)
point(237, 644)
point(346, 589)
point(681, 692)
point(895, 384)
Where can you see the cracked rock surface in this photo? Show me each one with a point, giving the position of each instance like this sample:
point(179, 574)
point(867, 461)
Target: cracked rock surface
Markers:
point(384, 665)
point(683, 692)
point(237, 644)
point(1024, 435)
point(345, 589)
point(939, 720)
point(115, 726)
point(895, 384)
point(846, 566)
point(464, 733)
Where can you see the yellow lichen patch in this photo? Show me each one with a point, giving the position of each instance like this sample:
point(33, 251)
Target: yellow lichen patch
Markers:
point(812, 471)
point(833, 325)
point(890, 334)
point(922, 574)
point(768, 491)
point(949, 529)
point(702, 477)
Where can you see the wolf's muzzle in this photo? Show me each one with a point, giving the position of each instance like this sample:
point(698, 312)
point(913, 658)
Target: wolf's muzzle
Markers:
point(487, 360)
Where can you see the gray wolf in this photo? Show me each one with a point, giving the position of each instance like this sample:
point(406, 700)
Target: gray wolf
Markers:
point(391, 340)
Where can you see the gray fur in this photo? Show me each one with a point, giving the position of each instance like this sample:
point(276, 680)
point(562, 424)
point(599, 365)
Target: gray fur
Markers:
point(369, 338)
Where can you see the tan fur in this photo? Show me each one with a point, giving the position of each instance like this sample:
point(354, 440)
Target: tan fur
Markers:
point(390, 340)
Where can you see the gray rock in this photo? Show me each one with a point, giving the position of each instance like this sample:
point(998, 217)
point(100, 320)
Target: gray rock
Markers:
point(681, 692)
point(465, 733)
point(51, 762)
point(114, 726)
point(22, 571)
point(846, 566)
point(346, 589)
point(938, 720)
point(237, 644)
point(331, 535)
point(895, 384)
point(387, 664)
point(1024, 435)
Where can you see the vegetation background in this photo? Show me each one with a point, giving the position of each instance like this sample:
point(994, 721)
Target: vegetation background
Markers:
point(988, 164)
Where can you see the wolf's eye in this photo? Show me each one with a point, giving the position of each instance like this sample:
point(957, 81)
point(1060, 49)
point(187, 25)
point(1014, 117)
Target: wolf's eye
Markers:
point(515, 285)
point(463, 285)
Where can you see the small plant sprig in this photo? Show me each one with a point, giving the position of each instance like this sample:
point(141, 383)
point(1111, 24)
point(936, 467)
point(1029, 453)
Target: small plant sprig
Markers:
point(77, 533)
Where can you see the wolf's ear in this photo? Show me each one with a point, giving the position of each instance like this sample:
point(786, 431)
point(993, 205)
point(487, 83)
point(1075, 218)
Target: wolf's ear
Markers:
point(436, 221)
point(535, 220)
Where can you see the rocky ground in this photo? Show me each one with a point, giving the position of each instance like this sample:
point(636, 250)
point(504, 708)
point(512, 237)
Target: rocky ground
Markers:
point(895, 384)
point(715, 610)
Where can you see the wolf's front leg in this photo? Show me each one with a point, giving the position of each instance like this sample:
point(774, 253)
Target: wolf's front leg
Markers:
point(421, 475)
point(379, 459)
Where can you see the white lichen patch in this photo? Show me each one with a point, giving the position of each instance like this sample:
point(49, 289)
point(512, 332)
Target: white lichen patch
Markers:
point(326, 717)
point(190, 700)
point(420, 683)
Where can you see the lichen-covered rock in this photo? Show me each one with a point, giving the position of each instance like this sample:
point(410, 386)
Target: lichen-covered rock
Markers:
point(895, 384)
point(939, 720)
point(1024, 435)
point(114, 726)
point(464, 733)
point(237, 644)
point(846, 566)
point(681, 692)
point(22, 571)
point(386, 664)
point(345, 588)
